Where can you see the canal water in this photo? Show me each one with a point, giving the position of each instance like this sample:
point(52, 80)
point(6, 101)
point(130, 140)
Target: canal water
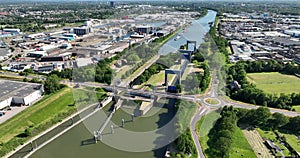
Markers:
point(195, 32)
point(144, 137)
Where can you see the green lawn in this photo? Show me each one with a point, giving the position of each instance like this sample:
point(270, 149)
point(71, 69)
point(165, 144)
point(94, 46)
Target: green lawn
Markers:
point(13, 78)
point(293, 141)
point(297, 108)
point(204, 126)
point(275, 82)
point(240, 146)
point(212, 101)
point(122, 71)
point(271, 136)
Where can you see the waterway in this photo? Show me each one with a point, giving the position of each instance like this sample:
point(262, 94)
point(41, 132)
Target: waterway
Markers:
point(195, 32)
point(79, 141)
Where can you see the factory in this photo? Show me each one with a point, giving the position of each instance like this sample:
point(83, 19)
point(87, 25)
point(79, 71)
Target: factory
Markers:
point(143, 29)
point(79, 31)
point(13, 93)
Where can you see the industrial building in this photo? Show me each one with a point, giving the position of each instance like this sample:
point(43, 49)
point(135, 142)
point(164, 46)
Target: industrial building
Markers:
point(79, 31)
point(112, 4)
point(13, 93)
point(12, 31)
point(143, 29)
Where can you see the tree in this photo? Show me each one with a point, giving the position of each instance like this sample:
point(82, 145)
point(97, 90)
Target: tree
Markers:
point(25, 79)
point(133, 58)
point(278, 120)
point(35, 80)
point(12, 49)
point(178, 88)
point(259, 116)
point(51, 84)
point(294, 125)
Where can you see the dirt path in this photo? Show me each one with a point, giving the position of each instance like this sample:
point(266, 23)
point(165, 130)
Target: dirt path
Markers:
point(256, 142)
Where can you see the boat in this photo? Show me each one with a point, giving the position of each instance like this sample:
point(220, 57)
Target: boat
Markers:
point(177, 38)
point(137, 36)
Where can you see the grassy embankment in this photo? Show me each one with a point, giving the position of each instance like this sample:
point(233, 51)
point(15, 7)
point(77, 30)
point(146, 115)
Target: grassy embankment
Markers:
point(240, 146)
point(204, 126)
point(51, 109)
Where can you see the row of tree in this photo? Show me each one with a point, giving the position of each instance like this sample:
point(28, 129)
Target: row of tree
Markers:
point(51, 84)
point(198, 81)
point(271, 66)
point(263, 118)
point(221, 42)
point(250, 94)
point(221, 135)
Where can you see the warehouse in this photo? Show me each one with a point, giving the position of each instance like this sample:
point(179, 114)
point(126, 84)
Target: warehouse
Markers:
point(14, 93)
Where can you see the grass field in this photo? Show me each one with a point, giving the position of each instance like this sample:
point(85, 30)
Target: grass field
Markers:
point(240, 146)
point(275, 82)
point(293, 141)
point(212, 101)
point(13, 78)
point(271, 136)
point(204, 126)
point(297, 108)
point(36, 114)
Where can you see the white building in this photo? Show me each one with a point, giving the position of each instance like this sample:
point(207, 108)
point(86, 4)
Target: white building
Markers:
point(18, 93)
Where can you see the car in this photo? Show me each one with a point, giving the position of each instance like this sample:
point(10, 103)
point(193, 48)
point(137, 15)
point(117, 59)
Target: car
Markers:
point(2, 113)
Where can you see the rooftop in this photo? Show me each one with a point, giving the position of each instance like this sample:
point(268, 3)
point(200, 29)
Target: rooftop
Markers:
point(16, 89)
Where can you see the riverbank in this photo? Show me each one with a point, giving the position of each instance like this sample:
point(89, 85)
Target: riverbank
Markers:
point(35, 119)
point(40, 119)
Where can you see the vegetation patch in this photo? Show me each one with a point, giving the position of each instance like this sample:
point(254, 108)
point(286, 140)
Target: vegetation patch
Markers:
point(212, 101)
point(226, 139)
point(240, 146)
point(275, 83)
point(296, 108)
point(50, 110)
point(239, 87)
point(205, 124)
point(293, 141)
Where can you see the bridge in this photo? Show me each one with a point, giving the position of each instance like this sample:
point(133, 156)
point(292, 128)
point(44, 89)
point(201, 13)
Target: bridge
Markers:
point(194, 98)
point(98, 133)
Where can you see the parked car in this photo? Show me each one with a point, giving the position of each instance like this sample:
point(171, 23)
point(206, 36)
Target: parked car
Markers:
point(2, 113)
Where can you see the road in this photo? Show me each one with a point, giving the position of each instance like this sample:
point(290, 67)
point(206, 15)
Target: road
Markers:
point(193, 126)
point(204, 109)
point(194, 98)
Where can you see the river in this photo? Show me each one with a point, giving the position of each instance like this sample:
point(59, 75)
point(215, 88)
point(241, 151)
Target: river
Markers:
point(79, 142)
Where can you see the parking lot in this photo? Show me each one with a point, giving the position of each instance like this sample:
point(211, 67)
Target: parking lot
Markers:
point(10, 113)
